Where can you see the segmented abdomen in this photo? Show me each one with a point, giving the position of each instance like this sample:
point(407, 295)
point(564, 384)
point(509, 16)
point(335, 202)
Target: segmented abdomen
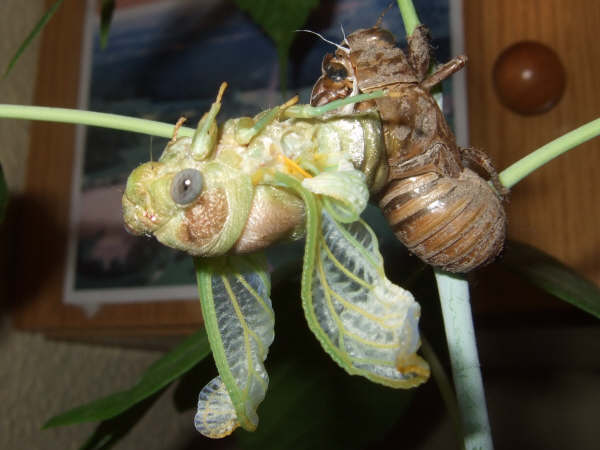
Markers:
point(456, 224)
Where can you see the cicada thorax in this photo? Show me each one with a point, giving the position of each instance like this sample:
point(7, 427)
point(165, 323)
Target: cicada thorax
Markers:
point(444, 213)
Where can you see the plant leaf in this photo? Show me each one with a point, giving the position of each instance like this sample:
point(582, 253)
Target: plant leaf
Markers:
point(280, 19)
point(3, 195)
point(111, 431)
point(168, 368)
point(312, 405)
point(106, 14)
point(551, 275)
point(36, 30)
point(234, 294)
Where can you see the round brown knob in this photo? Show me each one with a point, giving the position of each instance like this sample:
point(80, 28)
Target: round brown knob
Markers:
point(529, 78)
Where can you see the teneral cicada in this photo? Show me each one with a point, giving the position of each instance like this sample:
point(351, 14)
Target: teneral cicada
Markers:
point(228, 192)
point(444, 212)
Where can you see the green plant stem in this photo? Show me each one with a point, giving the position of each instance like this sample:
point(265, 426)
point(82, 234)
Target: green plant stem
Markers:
point(519, 170)
point(458, 322)
point(409, 16)
point(96, 119)
point(462, 347)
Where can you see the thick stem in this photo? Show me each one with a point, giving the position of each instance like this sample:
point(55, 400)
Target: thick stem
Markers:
point(458, 322)
point(104, 120)
point(460, 334)
point(519, 170)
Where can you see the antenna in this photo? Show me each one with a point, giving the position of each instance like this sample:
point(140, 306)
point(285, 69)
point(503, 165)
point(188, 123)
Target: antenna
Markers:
point(339, 47)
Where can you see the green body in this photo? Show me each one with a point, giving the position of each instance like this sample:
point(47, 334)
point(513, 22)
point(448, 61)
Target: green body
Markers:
point(288, 172)
point(239, 209)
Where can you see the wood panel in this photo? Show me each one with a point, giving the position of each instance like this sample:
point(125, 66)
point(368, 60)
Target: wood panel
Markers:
point(556, 208)
point(45, 207)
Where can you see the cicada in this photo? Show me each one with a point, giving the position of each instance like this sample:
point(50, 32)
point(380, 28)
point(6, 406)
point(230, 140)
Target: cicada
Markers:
point(228, 192)
point(440, 209)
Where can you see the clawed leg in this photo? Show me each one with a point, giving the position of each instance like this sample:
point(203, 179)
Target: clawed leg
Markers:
point(205, 137)
point(178, 125)
point(444, 71)
point(309, 112)
point(247, 129)
point(419, 51)
point(478, 158)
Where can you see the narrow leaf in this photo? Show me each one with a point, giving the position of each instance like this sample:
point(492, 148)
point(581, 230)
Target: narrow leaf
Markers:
point(36, 30)
point(234, 294)
point(280, 19)
point(106, 14)
point(170, 367)
point(552, 276)
point(109, 432)
point(3, 195)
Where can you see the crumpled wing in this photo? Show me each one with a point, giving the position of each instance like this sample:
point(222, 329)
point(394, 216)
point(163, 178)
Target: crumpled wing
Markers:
point(367, 324)
point(234, 294)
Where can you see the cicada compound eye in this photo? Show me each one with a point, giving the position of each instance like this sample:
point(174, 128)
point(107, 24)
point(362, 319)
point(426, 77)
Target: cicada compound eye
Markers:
point(336, 71)
point(186, 186)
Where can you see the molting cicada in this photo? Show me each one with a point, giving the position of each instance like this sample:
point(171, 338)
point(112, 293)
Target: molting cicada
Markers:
point(226, 193)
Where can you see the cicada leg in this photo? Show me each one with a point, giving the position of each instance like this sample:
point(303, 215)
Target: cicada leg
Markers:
point(309, 112)
point(205, 137)
point(444, 71)
point(248, 128)
point(178, 125)
point(477, 158)
point(419, 51)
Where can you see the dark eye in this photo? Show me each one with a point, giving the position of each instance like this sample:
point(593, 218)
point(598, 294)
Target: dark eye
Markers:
point(336, 71)
point(186, 186)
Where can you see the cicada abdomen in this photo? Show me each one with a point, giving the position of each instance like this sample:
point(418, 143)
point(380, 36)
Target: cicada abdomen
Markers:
point(445, 213)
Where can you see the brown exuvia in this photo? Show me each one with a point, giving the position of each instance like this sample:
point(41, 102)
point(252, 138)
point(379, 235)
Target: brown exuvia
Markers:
point(444, 212)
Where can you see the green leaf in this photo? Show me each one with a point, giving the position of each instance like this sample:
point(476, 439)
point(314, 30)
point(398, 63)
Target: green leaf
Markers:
point(106, 14)
point(111, 431)
point(311, 407)
point(170, 367)
point(551, 275)
point(3, 195)
point(280, 19)
point(234, 294)
point(36, 30)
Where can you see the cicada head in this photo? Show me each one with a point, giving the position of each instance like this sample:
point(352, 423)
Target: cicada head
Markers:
point(371, 60)
point(200, 207)
point(337, 80)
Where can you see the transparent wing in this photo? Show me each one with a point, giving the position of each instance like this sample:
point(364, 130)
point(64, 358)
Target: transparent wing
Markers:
point(239, 320)
point(366, 323)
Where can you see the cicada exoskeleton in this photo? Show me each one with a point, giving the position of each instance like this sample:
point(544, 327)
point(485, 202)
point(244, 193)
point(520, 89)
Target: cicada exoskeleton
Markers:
point(444, 212)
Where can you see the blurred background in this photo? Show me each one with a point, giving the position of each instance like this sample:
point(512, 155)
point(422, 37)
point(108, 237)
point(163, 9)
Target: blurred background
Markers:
point(540, 356)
